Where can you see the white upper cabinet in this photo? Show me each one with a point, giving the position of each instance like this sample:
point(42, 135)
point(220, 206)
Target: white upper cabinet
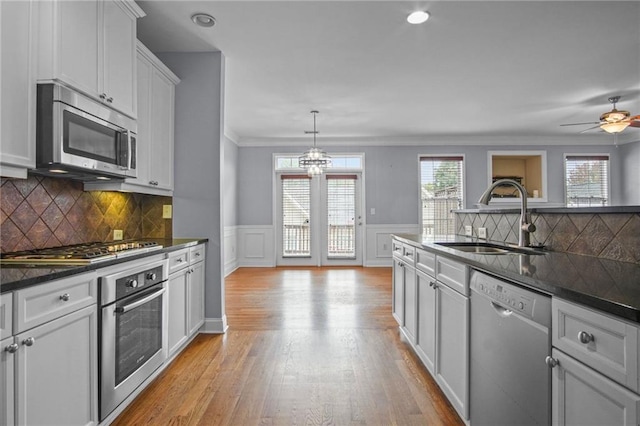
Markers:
point(156, 99)
point(91, 46)
point(17, 89)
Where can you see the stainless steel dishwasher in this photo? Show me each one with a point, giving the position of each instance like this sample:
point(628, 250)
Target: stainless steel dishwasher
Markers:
point(510, 339)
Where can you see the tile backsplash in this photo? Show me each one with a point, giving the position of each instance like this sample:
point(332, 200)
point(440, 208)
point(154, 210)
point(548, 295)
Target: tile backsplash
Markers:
point(40, 212)
point(606, 235)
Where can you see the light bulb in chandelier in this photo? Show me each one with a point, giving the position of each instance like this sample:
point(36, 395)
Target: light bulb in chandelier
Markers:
point(314, 160)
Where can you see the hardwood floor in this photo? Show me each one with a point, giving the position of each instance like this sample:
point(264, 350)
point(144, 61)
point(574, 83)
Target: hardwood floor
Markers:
point(312, 346)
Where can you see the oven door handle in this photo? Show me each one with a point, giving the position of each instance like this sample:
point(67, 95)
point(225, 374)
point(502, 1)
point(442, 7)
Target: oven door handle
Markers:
point(123, 309)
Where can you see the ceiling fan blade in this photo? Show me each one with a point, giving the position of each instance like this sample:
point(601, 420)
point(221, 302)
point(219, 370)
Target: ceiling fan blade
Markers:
point(635, 121)
point(590, 128)
point(580, 124)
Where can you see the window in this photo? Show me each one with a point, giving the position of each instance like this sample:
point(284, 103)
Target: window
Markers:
point(284, 162)
point(441, 190)
point(586, 180)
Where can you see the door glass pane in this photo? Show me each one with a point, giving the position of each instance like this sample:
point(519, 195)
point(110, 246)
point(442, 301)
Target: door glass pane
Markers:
point(296, 204)
point(341, 215)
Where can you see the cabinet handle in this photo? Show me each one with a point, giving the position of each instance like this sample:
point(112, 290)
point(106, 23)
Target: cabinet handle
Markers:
point(110, 99)
point(432, 284)
point(65, 297)
point(551, 362)
point(585, 337)
point(103, 96)
point(28, 341)
point(12, 348)
point(197, 254)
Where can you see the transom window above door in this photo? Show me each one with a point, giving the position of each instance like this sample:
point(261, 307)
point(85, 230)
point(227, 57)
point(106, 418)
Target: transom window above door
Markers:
point(289, 162)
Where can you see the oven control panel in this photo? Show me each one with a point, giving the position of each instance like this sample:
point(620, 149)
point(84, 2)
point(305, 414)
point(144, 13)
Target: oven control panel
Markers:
point(504, 294)
point(138, 281)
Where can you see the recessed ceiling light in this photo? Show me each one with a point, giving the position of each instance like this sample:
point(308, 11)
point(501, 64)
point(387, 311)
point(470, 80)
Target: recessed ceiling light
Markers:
point(418, 17)
point(203, 19)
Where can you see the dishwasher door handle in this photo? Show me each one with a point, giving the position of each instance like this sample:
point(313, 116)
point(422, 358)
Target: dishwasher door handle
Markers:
point(503, 312)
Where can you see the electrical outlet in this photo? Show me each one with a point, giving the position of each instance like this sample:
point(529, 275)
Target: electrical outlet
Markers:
point(468, 230)
point(482, 233)
point(167, 211)
point(117, 234)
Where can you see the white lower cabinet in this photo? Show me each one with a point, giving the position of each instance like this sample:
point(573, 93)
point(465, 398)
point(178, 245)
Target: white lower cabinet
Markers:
point(56, 372)
point(185, 290)
point(426, 339)
point(397, 304)
point(433, 312)
point(452, 347)
point(582, 396)
point(177, 302)
point(7, 356)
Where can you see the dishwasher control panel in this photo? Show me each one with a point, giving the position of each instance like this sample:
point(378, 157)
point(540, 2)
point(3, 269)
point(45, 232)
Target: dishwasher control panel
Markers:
point(504, 294)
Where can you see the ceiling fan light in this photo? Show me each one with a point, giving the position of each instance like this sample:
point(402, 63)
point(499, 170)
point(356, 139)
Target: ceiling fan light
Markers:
point(615, 127)
point(614, 115)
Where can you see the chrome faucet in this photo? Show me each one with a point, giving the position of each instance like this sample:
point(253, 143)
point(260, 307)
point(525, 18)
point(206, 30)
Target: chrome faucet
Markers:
point(526, 227)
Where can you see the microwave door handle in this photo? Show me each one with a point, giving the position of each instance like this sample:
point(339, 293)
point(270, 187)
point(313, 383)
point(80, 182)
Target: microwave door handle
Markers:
point(126, 308)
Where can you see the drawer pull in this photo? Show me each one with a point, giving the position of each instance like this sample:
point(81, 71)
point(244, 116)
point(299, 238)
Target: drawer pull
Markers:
point(65, 297)
point(179, 260)
point(29, 341)
point(585, 337)
point(198, 254)
point(12, 348)
point(551, 362)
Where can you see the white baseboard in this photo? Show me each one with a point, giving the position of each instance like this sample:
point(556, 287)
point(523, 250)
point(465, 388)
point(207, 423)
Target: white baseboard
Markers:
point(215, 325)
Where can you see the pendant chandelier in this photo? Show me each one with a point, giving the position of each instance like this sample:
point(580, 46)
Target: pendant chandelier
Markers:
point(314, 160)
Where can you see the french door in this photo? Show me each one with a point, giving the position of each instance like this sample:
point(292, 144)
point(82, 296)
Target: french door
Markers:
point(319, 219)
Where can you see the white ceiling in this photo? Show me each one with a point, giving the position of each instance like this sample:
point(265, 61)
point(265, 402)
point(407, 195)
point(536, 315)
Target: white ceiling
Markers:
point(476, 72)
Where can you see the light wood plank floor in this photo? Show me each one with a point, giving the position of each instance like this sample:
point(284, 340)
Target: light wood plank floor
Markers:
point(312, 346)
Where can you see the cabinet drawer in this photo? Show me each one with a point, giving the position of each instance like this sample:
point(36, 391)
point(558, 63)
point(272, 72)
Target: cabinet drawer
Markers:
point(6, 315)
point(48, 301)
point(196, 254)
point(605, 343)
point(408, 254)
point(426, 262)
point(178, 260)
point(453, 274)
point(397, 248)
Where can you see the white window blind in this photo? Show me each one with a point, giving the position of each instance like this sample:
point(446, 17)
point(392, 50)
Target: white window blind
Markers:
point(341, 216)
point(586, 180)
point(441, 190)
point(296, 205)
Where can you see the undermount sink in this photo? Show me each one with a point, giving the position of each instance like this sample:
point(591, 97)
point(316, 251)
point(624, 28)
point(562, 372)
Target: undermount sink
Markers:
point(489, 248)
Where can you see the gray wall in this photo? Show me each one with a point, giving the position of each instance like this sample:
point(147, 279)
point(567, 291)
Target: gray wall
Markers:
point(230, 182)
point(197, 161)
point(392, 177)
point(630, 158)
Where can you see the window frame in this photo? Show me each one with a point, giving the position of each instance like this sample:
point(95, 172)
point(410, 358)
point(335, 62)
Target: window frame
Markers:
point(565, 176)
point(462, 181)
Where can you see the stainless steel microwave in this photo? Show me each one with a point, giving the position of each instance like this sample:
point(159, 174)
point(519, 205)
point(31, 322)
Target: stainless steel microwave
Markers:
point(79, 138)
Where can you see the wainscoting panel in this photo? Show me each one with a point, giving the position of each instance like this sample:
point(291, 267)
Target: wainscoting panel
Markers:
point(230, 249)
point(378, 242)
point(256, 246)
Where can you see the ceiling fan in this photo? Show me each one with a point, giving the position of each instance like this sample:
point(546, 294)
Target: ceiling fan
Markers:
point(614, 121)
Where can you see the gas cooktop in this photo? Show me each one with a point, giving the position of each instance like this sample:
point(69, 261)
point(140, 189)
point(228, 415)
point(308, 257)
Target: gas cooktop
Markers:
point(79, 254)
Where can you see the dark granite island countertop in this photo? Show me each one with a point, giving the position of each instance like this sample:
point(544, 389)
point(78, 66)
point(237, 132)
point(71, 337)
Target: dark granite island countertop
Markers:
point(14, 277)
point(607, 285)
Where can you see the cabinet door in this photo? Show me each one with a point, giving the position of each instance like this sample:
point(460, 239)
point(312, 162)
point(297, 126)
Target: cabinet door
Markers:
point(144, 70)
point(78, 35)
point(161, 130)
point(397, 304)
point(410, 302)
point(426, 338)
point(582, 396)
point(57, 372)
point(196, 297)
point(452, 346)
point(119, 69)
point(6, 382)
point(17, 113)
point(177, 310)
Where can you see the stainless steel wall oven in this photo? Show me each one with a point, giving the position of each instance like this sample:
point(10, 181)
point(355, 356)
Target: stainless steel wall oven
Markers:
point(132, 330)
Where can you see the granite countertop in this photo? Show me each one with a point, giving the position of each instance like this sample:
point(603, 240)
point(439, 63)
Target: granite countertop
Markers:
point(607, 285)
point(14, 277)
